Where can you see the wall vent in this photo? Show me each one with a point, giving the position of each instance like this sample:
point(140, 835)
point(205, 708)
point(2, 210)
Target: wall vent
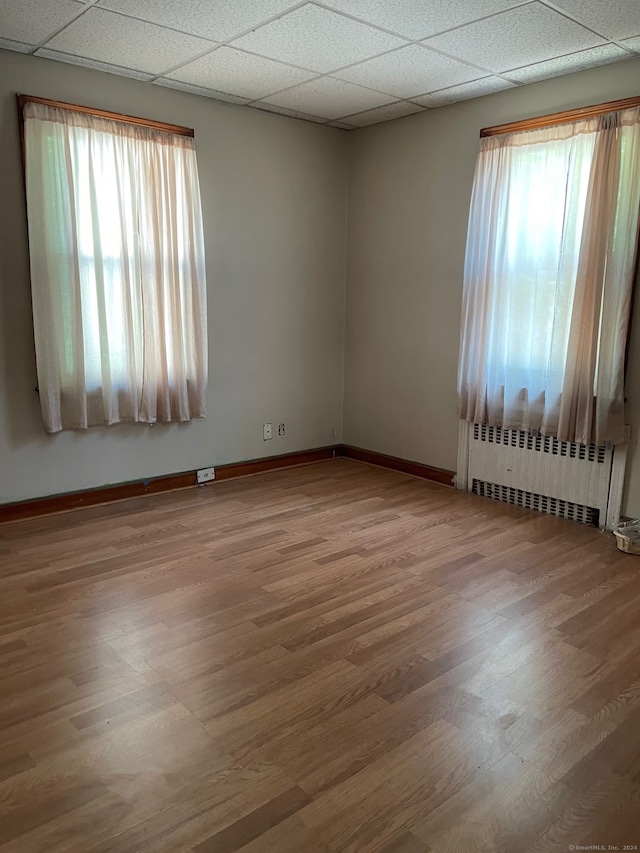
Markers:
point(539, 443)
point(563, 478)
point(541, 503)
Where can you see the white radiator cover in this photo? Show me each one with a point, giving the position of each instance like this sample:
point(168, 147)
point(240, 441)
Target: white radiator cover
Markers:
point(558, 477)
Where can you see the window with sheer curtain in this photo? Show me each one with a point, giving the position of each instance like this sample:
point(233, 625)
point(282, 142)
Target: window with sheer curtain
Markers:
point(549, 269)
point(117, 269)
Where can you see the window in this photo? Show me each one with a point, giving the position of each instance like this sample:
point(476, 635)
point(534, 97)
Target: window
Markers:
point(117, 268)
point(549, 276)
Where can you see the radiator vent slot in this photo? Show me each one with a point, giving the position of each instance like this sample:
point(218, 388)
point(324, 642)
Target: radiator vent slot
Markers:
point(540, 472)
point(541, 503)
point(539, 443)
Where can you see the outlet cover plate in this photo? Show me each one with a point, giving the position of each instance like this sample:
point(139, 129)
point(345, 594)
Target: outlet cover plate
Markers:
point(267, 432)
point(205, 475)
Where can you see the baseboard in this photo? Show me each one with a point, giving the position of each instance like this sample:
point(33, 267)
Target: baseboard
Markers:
point(416, 469)
point(68, 501)
point(274, 463)
point(169, 483)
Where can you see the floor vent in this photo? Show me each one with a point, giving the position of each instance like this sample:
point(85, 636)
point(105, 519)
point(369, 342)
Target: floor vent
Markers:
point(541, 503)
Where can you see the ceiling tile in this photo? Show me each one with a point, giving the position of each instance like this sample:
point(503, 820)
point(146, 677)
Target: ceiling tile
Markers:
point(417, 19)
point(273, 65)
point(329, 98)
point(317, 39)
point(475, 89)
point(519, 37)
point(91, 63)
point(566, 64)
point(199, 90)
point(391, 111)
point(240, 73)
point(218, 21)
point(112, 38)
point(410, 71)
point(614, 18)
point(32, 21)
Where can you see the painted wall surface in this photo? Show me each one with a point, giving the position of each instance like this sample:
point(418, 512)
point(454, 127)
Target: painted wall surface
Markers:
point(274, 193)
point(274, 205)
point(409, 191)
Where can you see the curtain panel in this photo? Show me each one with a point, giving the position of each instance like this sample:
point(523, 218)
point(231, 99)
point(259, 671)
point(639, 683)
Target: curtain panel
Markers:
point(117, 270)
point(548, 279)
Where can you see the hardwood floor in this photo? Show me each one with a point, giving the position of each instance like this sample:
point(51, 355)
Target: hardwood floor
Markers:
point(330, 658)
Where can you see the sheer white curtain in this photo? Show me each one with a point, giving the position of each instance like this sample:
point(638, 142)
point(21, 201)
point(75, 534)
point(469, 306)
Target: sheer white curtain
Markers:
point(117, 270)
point(549, 267)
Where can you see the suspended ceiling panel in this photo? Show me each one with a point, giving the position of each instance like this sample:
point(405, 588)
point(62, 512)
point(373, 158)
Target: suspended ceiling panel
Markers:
point(348, 63)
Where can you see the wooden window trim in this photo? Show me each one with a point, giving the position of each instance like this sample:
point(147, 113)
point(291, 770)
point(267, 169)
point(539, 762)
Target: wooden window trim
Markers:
point(176, 129)
point(561, 118)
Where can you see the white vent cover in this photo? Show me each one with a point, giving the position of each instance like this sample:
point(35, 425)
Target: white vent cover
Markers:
point(539, 443)
point(583, 483)
point(541, 503)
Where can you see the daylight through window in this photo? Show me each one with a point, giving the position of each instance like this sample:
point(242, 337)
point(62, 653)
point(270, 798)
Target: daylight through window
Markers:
point(117, 270)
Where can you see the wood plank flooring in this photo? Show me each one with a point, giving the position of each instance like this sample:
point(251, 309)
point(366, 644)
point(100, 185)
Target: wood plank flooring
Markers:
point(330, 658)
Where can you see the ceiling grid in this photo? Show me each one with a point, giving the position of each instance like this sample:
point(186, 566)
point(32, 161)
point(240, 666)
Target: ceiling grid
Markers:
point(348, 63)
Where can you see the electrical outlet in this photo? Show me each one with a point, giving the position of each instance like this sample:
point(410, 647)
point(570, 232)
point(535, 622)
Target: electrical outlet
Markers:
point(280, 429)
point(267, 432)
point(205, 475)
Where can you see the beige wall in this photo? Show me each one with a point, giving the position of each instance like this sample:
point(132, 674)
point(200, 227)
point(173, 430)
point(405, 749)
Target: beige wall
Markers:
point(274, 194)
point(409, 190)
point(274, 203)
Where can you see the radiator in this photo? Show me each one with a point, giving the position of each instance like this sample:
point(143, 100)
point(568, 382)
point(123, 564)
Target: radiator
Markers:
point(583, 483)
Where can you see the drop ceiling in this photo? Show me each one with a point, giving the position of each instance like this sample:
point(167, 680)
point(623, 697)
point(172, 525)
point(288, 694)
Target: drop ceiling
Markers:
point(347, 63)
